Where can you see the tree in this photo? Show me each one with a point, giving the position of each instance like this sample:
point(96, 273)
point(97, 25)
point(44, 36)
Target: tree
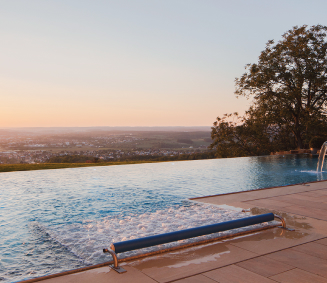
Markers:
point(234, 136)
point(288, 88)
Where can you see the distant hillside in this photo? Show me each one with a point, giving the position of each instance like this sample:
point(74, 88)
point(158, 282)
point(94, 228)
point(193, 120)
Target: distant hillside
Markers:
point(61, 130)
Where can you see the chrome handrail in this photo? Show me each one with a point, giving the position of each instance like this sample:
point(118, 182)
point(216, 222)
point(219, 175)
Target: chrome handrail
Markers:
point(114, 256)
point(281, 219)
point(283, 223)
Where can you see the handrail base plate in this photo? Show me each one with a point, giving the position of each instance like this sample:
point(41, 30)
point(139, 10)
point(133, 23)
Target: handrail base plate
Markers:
point(286, 228)
point(118, 269)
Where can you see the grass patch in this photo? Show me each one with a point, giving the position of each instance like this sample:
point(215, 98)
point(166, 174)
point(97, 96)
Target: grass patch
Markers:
point(43, 166)
point(131, 160)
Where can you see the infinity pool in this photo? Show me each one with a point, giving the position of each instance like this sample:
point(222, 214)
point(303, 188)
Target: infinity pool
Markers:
point(56, 220)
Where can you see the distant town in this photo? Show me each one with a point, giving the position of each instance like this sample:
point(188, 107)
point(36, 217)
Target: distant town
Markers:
point(91, 145)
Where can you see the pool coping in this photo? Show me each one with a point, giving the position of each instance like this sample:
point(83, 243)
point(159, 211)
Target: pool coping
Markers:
point(260, 189)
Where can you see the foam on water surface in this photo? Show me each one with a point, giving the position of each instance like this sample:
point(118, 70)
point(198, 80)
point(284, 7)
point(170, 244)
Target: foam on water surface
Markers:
point(87, 239)
point(55, 247)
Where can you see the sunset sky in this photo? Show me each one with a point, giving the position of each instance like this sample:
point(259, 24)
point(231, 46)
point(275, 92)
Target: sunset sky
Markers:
point(134, 63)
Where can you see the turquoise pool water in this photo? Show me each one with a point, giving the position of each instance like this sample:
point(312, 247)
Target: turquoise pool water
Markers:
point(56, 220)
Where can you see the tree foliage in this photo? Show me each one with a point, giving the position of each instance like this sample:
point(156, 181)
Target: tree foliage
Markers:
point(288, 88)
point(234, 136)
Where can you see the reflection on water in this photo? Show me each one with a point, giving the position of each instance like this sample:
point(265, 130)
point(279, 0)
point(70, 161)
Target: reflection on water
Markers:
point(271, 234)
point(37, 206)
point(291, 220)
point(193, 255)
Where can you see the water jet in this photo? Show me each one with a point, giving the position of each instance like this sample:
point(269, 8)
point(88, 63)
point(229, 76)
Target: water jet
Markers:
point(321, 157)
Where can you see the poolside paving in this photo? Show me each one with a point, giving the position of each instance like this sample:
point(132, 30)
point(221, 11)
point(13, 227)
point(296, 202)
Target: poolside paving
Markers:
point(273, 255)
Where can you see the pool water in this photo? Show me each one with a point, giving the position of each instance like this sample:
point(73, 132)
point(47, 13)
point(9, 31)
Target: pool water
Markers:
point(56, 220)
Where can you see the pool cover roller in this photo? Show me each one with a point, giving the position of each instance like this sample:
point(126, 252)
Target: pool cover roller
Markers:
point(135, 244)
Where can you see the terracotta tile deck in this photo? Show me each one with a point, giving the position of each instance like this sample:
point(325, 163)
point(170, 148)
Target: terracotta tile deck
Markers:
point(298, 276)
point(265, 266)
point(235, 274)
point(273, 255)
